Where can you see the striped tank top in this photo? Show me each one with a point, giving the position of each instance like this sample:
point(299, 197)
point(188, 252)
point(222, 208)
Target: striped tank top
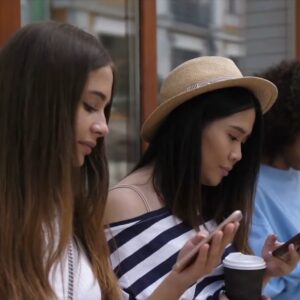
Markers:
point(144, 249)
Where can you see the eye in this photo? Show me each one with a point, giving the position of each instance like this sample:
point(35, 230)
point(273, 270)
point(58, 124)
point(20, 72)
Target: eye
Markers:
point(232, 137)
point(88, 107)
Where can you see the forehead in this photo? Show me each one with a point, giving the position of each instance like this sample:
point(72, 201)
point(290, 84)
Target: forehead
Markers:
point(243, 121)
point(101, 81)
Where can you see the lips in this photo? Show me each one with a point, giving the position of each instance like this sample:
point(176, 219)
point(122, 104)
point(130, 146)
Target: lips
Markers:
point(225, 170)
point(87, 146)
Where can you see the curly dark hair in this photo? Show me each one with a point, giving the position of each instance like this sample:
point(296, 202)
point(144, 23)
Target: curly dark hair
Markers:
point(282, 122)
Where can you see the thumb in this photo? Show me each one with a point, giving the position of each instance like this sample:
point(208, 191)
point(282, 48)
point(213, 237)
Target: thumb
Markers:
point(269, 244)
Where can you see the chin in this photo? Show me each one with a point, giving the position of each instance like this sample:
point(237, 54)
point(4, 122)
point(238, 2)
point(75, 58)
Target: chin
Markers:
point(80, 161)
point(210, 182)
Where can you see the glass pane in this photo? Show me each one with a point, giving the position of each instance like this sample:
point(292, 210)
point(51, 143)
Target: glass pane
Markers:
point(192, 28)
point(114, 23)
point(255, 34)
point(192, 12)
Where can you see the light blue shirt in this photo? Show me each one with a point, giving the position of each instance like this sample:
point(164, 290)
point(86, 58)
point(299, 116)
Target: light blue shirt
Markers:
point(277, 210)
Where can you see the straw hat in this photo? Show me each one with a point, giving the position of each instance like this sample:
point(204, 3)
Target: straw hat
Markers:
point(198, 76)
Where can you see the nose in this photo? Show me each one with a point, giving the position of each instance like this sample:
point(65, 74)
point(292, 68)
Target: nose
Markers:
point(100, 128)
point(236, 153)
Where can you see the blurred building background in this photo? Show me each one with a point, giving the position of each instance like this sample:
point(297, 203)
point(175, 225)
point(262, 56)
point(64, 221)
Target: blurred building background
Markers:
point(147, 38)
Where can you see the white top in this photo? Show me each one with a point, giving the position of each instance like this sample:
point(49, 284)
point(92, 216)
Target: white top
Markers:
point(85, 285)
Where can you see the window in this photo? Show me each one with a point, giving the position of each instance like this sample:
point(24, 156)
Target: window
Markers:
point(114, 22)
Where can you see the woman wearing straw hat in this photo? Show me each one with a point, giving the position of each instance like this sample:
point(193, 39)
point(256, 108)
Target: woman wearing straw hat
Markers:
point(201, 165)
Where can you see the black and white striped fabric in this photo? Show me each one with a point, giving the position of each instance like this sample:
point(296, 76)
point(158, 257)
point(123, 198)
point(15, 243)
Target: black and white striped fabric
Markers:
point(144, 249)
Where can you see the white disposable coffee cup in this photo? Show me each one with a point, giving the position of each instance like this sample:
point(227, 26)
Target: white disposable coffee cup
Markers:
point(243, 276)
point(240, 261)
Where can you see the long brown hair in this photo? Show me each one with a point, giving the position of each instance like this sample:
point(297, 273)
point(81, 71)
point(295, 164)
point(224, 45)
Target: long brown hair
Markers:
point(43, 70)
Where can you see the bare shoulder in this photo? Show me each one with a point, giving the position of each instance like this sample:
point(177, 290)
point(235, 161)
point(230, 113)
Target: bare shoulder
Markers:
point(123, 203)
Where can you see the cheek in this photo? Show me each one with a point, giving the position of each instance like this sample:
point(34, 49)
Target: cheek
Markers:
point(213, 156)
point(78, 120)
point(209, 172)
point(81, 122)
point(209, 153)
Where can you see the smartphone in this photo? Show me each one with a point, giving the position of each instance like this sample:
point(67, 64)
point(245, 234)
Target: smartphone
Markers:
point(282, 251)
point(189, 257)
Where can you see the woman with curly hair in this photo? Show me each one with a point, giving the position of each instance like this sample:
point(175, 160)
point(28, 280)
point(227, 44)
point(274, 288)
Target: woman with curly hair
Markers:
point(277, 206)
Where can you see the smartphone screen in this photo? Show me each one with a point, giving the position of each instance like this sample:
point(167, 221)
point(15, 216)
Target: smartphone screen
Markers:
point(282, 251)
point(189, 257)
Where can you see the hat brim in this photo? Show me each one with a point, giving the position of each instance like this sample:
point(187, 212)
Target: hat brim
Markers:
point(264, 90)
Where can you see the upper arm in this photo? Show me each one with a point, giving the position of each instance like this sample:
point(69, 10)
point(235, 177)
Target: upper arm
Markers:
point(122, 204)
point(260, 230)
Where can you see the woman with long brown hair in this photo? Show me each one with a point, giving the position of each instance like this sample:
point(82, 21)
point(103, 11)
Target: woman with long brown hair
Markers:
point(56, 84)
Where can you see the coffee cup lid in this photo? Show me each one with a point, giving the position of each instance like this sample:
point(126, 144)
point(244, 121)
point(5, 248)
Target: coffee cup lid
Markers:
point(240, 261)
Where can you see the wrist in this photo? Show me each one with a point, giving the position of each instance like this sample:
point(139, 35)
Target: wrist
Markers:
point(266, 279)
point(177, 282)
point(171, 288)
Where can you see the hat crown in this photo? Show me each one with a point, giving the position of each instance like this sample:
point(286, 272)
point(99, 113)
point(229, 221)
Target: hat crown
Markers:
point(199, 76)
point(196, 73)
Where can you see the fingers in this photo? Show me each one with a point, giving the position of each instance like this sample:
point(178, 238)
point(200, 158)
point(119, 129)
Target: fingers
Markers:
point(219, 242)
point(229, 232)
point(198, 238)
point(190, 244)
point(203, 256)
point(216, 250)
point(208, 254)
point(279, 266)
point(198, 267)
point(270, 244)
point(293, 258)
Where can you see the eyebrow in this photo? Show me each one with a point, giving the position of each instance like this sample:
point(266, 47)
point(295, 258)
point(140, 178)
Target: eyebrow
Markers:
point(101, 95)
point(240, 129)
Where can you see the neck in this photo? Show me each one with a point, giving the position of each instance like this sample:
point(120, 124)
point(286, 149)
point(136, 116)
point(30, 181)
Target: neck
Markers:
point(278, 162)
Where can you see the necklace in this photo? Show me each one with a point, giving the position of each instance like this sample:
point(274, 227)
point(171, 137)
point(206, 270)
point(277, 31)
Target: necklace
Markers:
point(71, 272)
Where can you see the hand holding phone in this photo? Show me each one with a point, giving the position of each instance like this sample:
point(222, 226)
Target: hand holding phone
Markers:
point(282, 251)
point(186, 260)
